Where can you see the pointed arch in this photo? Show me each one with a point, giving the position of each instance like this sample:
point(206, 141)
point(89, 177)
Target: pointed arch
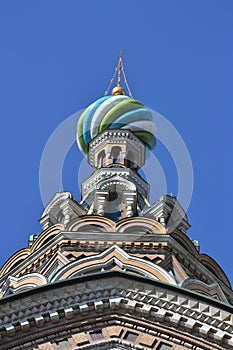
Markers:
point(118, 257)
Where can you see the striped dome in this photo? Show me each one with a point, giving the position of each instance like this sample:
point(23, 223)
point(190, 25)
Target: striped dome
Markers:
point(115, 112)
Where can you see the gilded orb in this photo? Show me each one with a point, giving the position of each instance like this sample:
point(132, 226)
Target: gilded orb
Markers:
point(118, 90)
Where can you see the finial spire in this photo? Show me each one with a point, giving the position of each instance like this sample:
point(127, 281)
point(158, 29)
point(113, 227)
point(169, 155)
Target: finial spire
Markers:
point(118, 89)
point(119, 70)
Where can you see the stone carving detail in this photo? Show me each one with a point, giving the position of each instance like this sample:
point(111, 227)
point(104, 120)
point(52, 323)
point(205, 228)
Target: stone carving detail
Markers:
point(117, 257)
point(201, 323)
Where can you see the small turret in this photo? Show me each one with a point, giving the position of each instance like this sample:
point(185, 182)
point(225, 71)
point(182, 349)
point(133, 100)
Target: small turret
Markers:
point(114, 132)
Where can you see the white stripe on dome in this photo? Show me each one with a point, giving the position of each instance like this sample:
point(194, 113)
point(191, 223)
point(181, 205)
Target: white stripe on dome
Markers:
point(79, 145)
point(142, 125)
point(102, 110)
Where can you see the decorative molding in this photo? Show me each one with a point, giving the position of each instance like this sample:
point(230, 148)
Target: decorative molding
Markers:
point(169, 212)
point(15, 285)
point(114, 137)
point(167, 310)
point(60, 210)
point(213, 290)
point(118, 257)
point(90, 184)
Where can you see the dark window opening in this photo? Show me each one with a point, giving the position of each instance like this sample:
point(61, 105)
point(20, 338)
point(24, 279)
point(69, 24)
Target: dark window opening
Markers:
point(101, 159)
point(129, 161)
point(130, 336)
point(115, 154)
point(114, 206)
point(164, 346)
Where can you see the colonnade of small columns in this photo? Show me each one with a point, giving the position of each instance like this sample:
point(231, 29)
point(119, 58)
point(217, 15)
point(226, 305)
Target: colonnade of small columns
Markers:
point(115, 155)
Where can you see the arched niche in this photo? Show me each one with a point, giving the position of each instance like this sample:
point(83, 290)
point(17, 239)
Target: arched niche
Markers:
point(91, 223)
point(140, 225)
point(101, 159)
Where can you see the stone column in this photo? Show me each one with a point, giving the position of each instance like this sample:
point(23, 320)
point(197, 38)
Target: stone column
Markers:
point(100, 202)
point(66, 211)
point(46, 221)
point(130, 199)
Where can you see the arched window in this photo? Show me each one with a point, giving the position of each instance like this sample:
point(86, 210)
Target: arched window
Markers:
point(115, 154)
point(101, 159)
point(114, 204)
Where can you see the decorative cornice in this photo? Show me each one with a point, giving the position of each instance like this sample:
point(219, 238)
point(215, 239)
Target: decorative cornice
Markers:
point(171, 308)
point(119, 234)
point(116, 133)
point(104, 173)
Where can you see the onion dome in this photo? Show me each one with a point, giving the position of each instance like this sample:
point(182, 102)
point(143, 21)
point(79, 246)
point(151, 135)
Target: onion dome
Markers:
point(116, 112)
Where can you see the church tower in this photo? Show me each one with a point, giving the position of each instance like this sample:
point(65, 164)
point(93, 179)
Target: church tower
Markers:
point(114, 271)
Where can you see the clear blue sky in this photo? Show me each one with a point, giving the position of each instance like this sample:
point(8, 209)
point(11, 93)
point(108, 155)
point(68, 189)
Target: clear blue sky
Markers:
point(58, 56)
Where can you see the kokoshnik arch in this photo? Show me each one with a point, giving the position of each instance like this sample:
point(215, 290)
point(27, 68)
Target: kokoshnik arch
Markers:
point(114, 271)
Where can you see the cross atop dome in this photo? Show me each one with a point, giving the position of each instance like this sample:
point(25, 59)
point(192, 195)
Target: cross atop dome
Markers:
point(118, 89)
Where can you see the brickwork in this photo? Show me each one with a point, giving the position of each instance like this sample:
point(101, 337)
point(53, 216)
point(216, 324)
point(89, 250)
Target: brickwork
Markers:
point(113, 307)
point(117, 335)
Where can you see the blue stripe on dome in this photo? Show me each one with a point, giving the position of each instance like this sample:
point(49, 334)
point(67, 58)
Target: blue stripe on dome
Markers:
point(88, 118)
point(130, 117)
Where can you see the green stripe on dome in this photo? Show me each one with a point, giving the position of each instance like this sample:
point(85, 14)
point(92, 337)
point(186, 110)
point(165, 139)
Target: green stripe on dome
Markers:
point(147, 138)
point(80, 132)
point(116, 111)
